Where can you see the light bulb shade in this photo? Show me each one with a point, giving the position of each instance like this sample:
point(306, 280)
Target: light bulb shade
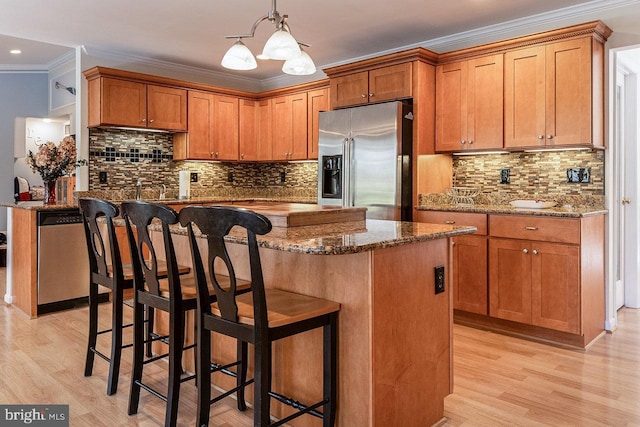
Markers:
point(281, 46)
point(239, 57)
point(301, 65)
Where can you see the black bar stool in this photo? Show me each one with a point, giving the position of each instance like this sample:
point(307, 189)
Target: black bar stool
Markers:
point(107, 273)
point(168, 293)
point(260, 317)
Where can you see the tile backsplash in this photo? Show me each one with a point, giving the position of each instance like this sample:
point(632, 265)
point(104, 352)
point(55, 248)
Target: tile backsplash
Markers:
point(128, 155)
point(538, 175)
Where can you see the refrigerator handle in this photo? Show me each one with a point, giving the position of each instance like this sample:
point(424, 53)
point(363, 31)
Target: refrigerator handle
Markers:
point(350, 196)
point(345, 172)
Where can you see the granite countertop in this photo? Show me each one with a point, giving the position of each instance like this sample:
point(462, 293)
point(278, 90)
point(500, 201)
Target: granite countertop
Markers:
point(558, 211)
point(340, 238)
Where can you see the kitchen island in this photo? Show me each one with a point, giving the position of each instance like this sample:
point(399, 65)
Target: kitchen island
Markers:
point(394, 331)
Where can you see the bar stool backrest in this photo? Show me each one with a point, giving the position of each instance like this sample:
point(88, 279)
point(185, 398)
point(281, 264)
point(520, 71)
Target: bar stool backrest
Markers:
point(140, 214)
point(92, 209)
point(216, 222)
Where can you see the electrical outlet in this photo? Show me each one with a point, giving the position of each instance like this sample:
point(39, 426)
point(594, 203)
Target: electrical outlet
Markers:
point(194, 176)
point(439, 279)
point(230, 177)
point(283, 176)
point(578, 175)
point(103, 177)
point(505, 176)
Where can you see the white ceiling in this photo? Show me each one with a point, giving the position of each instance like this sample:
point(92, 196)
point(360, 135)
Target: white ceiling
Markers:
point(192, 33)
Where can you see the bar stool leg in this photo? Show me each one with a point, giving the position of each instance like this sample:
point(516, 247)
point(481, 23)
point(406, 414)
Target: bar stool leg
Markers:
point(242, 373)
point(138, 358)
point(176, 343)
point(262, 385)
point(93, 329)
point(149, 329)
point(330, 365)
point(116, 341)
point(203, 363)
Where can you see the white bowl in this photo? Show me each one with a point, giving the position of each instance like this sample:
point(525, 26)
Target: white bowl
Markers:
point(532, 204)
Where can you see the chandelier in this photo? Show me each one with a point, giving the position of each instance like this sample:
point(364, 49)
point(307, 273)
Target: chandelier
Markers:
point(280, 46)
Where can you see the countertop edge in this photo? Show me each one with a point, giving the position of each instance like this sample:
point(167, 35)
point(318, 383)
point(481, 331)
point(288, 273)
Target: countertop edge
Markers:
point(508, 210)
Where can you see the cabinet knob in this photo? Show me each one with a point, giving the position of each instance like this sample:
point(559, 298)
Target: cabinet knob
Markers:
point(535, 252)
point(540, 136)
point(462, 141)
point(143, 120)
point(549, 136)
point(449, 221)
point(470, 142)
point(242, 155)
point(151, 121)
point(216, 154)
point(370, 95)
point(526, 251)
point(364, 95)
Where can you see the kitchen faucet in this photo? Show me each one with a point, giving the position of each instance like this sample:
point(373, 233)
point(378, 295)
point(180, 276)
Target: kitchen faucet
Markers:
point(163, 190)
point(138, 190)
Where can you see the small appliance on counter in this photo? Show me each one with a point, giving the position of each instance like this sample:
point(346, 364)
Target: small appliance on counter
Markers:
point(185, 184)
point(364, 159)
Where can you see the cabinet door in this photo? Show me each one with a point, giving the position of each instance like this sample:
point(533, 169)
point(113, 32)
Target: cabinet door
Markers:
point(265, 135)
point(389, 83)
point(568, 107)
point(166, 108)
point(524, 97)
point(248, 130)
point(555, 286)
point(510, 279)
point(225, 142)
point(352, 89)
point(317, 100)
point(200, 126)
point(470, 274)
point(124, 103)
point(485, 97)
point(282, 126)
point(298, 150)
point(451, 106)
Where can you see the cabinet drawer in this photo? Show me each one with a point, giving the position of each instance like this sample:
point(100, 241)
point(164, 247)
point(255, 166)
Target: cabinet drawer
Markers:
point(535, 228)
point(477, 220)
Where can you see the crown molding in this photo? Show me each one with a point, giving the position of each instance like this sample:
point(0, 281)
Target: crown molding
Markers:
point(209, 76)
point(24, 69)
point(69, 57)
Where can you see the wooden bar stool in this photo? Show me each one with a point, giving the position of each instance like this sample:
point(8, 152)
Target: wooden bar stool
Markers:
point(168, 293)
point(107, 273)
point(260, 317)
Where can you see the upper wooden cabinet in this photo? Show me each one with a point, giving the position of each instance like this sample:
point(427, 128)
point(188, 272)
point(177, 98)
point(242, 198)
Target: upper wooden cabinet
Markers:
point(469, 104)
point(116, 102)
point(553, 95)
point(255, 130)
point(213, 128)
point(377, 85)
point(289, 127)
point(317, 100)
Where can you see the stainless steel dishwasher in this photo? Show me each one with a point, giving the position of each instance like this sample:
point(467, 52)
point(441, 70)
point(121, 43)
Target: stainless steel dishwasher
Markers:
point(63, 261)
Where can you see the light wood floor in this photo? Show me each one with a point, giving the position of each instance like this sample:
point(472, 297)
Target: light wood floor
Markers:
point(499, 380)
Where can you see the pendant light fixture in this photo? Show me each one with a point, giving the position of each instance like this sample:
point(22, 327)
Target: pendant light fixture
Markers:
point(280, 46)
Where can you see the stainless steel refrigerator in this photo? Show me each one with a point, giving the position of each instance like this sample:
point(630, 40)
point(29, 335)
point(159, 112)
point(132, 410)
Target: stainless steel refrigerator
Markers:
point(364, 159)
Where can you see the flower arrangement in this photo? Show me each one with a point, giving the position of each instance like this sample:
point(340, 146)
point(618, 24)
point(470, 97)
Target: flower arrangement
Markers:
point(53, 162)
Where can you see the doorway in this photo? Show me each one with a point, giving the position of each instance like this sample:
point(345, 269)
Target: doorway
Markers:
point(624, 199)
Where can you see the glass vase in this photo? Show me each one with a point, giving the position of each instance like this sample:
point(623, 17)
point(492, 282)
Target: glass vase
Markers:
point(50, 192)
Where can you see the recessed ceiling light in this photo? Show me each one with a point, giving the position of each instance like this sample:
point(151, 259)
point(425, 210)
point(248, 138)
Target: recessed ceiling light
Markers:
point(15, 51)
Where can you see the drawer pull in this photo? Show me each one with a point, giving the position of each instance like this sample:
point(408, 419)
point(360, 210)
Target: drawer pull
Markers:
point(531, 228)
point(449, 221)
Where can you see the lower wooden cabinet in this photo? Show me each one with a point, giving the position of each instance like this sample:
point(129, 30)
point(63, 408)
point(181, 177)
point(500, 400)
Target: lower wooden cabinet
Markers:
point(469, 263)
point(529, 275)
point(536, 283)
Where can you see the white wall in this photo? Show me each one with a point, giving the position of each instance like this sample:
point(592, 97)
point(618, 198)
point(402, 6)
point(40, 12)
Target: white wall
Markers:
point(21, 95)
